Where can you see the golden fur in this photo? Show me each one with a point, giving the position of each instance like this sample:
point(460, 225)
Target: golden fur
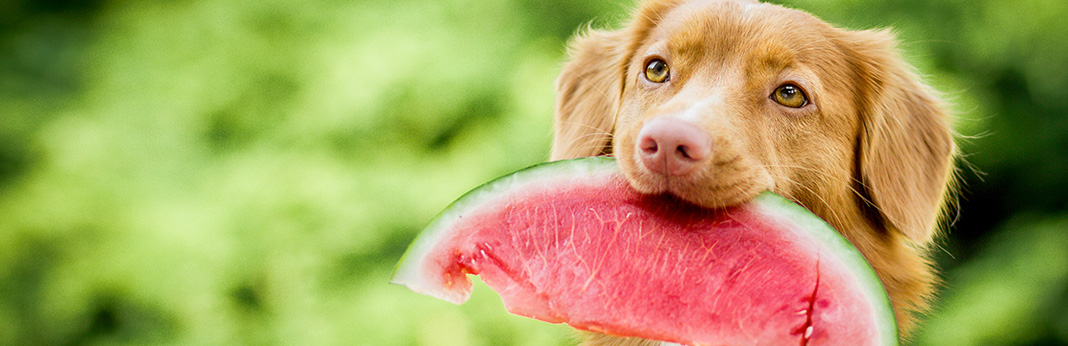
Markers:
point(872, 153)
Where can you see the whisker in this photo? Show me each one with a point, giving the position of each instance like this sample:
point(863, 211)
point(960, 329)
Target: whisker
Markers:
point(594, 130)
point(827, 176)
point(822, 174)
point(838, 219)
point(592, 139)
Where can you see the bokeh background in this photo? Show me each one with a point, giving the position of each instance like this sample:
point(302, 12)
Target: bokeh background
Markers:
point(238, 172)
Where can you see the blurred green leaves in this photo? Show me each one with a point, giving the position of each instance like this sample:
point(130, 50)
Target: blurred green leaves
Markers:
point(212, 172)
point(1015, 293)
point(243, 172)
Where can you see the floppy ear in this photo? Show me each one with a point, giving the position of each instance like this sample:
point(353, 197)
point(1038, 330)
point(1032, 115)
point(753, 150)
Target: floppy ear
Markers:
point(588, 95)
point(905, 147)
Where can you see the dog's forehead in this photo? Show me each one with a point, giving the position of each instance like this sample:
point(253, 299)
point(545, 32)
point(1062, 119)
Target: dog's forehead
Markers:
point(723, 27)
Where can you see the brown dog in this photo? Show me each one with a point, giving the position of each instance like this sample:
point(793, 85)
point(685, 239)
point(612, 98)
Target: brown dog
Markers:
point(714, 101)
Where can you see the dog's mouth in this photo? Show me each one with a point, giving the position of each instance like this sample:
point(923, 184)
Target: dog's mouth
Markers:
point(705, 193)
point(711, 186)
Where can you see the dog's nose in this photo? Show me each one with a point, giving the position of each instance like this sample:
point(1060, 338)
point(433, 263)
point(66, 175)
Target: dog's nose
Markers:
point(672, 146)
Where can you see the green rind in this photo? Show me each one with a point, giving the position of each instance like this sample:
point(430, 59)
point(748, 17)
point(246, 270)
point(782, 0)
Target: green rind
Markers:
point(406, 270)
point(404, 273)
point(848, 255)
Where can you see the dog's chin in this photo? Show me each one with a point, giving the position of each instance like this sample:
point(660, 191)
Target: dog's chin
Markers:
point(704, 188)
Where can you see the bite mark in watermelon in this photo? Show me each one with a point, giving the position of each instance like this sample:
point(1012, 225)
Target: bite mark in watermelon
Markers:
point(571, 242)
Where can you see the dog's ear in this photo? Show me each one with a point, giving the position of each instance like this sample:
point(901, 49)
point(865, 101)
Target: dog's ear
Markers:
point(588, 94)
point(905, 147)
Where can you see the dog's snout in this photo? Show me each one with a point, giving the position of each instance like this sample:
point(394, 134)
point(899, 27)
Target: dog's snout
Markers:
point(671, 146)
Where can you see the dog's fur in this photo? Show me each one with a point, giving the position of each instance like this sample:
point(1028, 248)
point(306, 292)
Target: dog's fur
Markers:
point(872, 154)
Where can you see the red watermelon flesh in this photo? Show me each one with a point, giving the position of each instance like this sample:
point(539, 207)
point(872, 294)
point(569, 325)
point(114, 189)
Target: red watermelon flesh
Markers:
point(570, 242)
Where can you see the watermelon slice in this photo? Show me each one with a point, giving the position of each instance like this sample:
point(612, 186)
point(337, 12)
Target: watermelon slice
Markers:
point(571, 242)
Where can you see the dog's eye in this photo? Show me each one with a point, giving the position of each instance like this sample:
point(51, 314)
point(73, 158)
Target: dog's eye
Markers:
point(790, 95)
point(657, 71)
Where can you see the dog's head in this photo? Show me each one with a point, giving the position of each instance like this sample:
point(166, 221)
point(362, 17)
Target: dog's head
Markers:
point(715, 101)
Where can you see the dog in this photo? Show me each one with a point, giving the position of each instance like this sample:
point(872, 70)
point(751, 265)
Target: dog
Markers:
point(715, 101)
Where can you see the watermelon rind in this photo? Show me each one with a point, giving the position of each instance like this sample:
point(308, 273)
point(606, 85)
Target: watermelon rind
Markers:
point(409, 269)
point(775, 205)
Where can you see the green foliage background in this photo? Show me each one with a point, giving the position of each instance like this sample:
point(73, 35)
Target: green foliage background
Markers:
point(212, 172)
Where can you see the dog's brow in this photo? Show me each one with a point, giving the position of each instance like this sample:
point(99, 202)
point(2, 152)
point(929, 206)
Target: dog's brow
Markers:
point(693, 42)
point(770, 59)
